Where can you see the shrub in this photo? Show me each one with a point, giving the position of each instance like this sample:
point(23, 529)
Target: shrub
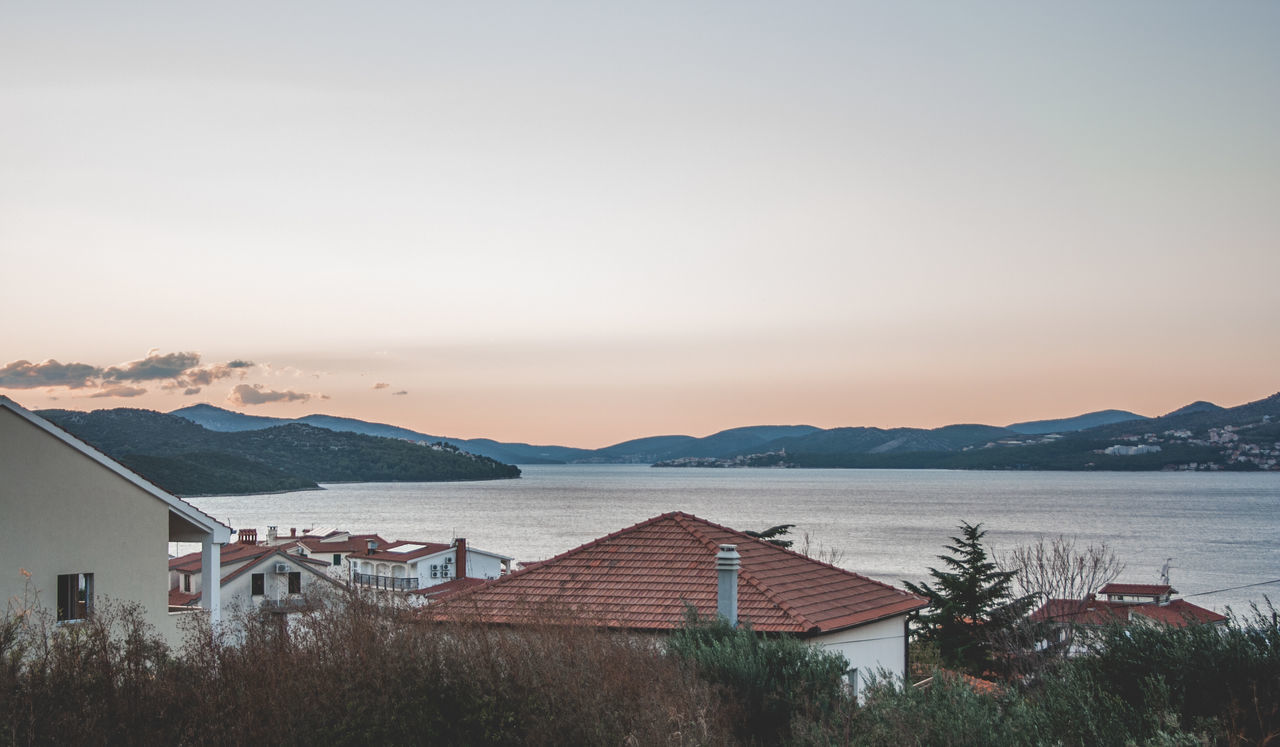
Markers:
point(772, 684)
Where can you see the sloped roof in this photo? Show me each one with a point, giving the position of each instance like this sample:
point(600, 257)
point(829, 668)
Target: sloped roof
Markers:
point(1177, 613)
point(1147, 590)
point(233, 553)
point(418, 550)
point(256, 559)
point(643, 576)
point(356, 543)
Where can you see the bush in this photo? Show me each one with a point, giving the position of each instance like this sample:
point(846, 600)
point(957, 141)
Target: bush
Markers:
point(772, 685)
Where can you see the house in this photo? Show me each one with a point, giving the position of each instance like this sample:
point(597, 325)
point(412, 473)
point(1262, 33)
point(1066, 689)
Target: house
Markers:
point(86, 528)
point(1150, 604)
point(644, 577)
point(417, 566)
point(254, 577)
point(332, 545)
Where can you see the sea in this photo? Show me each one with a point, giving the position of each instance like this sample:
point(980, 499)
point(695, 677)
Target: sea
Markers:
point(1218, 532)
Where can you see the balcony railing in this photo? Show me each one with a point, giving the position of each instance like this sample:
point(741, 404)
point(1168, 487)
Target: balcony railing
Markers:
point(287, 604)
point(392, 583)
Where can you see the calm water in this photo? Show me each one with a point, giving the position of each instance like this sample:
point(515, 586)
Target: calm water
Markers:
point(1222, 530)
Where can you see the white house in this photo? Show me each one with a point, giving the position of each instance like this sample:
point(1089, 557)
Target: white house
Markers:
point(252, 578)
point(644, 577)
point(405, 565)
point(77, 527)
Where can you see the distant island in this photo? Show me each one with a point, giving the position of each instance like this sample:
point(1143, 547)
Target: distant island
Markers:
point(188, 459)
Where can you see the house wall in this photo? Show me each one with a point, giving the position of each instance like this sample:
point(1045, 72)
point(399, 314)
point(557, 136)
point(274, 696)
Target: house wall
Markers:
point(64, 513)
point(237, 593)
point(870, 648)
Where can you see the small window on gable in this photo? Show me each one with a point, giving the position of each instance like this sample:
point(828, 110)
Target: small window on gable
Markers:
point(75, 596)
point(258, 582)
point(295, 583)
point(337, 559)
point(186, 582)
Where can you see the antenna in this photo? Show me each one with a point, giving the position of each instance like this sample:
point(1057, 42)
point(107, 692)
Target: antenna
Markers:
point(1164, 571)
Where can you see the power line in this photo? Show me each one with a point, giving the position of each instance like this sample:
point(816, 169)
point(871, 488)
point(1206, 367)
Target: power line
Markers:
point(1232, 588)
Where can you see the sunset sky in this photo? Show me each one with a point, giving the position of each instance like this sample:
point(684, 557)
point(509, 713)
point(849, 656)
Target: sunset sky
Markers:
point(561, 223)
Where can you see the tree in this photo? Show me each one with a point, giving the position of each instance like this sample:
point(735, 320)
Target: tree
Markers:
point(1051, 569)
point(968, 604)
point(1057, 569)
point(774, 535)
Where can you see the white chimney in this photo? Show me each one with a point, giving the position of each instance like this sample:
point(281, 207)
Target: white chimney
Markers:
point(728, 561)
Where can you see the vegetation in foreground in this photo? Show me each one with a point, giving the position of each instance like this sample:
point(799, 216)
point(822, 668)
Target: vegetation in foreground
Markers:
point(367, 674)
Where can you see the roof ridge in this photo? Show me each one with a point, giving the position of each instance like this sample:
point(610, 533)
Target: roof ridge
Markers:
point(744, 572)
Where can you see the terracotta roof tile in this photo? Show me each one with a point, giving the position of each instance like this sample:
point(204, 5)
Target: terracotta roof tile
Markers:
point(1177, 612)
point(643, 576)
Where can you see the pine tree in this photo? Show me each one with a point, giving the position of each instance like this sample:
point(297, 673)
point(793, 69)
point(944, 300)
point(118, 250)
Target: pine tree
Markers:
point(968, 604)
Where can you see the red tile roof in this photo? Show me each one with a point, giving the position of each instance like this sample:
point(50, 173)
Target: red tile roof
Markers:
point(1147, 590)
point(643, 576)
point(1177, 613)
point(385, 551)
point(357, 543)
point(449, 588)
point(232, 553)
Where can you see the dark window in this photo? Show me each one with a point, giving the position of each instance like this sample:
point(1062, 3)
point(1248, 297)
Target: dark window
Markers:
point(186, 582)
point(295, 583)
point(75, 596)
point(258, 582)
point(337, 559)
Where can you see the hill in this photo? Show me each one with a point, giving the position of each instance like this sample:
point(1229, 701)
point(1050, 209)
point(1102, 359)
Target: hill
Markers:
point(1078, 423)
point(189, 459)
point(219, 419)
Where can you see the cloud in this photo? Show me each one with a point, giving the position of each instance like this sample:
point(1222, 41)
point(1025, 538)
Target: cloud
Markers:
point(191, 390)
point(27, 375)
point(118, 391)
point(245, 394)
point(381, 385)
point(397, 394)
point(241, 364)
point(154, 367)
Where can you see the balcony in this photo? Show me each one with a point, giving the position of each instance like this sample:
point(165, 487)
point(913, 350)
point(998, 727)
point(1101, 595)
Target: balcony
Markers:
point(390, 583)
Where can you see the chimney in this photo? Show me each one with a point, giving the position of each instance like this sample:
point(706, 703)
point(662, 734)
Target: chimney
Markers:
point(271, 535)
point(728, 561)
point(460, 557)
point(248, 536)
point(293, 531)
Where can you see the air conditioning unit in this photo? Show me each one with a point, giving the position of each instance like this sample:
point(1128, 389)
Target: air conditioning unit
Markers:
point(448, 560)
point(282, 567)
point(435, 567)
point(444, 572)
point(434, 572)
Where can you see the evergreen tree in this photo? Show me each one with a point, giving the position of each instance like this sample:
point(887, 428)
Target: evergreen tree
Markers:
point(969, 603)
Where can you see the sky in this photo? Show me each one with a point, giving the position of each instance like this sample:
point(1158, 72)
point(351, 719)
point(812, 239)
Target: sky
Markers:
point(571, 224)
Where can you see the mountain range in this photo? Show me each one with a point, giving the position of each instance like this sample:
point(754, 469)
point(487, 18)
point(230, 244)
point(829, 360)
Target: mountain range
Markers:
point(1068, 443)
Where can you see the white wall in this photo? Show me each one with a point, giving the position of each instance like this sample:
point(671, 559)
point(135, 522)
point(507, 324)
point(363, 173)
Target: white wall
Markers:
point(61, 513)
point(870, 648)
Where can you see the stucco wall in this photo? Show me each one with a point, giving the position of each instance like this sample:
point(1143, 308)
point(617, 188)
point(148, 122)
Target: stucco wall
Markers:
point(64, 513)
point(870, 648)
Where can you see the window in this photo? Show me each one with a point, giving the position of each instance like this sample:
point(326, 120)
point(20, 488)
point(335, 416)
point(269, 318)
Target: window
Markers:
point(337, 559)
point(258, 582)
point(75, 596)
point(186, 582)
point(295, 583)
